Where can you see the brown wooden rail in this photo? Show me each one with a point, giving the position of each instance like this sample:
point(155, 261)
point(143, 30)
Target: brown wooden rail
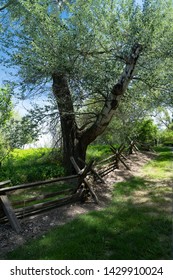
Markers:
point(29, 185)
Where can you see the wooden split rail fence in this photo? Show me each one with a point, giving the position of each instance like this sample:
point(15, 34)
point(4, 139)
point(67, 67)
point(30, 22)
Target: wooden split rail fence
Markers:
point(10, 212)
point(112, 162)
point(132, 148)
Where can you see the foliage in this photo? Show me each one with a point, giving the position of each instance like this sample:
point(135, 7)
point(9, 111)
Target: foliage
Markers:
point(163, 117)
point(5, 114)
point(146, 131)
point(17, 133)
point(126, 229)
point(22, 166)
point(5, 104)
point(98, 152)
point(14, 132)
point(166, 137)
point(72, 44)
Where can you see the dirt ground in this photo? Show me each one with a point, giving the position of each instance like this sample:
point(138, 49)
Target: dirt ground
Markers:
point(37, 225)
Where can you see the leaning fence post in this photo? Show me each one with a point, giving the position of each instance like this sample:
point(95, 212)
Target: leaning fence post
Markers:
point(83, 174)
point(8, 209)
point(93, 172)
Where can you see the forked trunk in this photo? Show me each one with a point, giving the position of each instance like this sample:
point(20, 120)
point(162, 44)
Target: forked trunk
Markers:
point(75, 141)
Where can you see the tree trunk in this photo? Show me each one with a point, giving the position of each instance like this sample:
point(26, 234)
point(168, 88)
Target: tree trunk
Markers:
point(72, 143)
point(75, 141)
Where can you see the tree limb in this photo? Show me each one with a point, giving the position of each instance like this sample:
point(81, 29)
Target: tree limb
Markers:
point(6, 5)
point(114, 97)
point(95, 52)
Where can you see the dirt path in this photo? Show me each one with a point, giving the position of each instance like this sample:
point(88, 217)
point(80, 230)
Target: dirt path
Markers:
point(35, 226)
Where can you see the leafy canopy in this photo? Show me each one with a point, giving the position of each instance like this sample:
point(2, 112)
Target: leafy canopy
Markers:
point(89, 42)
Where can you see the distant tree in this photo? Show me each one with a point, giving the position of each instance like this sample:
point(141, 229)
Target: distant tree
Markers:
point(5, 115)
point(5, 104)
point(17, 133)
point(164, 117)
point(14, 132)
point(166, 137)
point(146, 131)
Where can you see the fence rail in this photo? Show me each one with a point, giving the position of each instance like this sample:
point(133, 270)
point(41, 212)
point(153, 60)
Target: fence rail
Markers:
point(39, 183)
point(10, 212)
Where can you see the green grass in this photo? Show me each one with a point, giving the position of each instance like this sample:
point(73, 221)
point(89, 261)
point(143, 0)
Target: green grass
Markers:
point(25, 194)
point(98, 152)
point(23, 166)
point(119, 232)
point(126, 229)
point(162, 166)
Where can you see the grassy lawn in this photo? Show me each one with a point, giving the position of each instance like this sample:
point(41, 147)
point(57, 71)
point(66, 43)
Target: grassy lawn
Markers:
point(162, 166)
point(136, 225)
point(98, 152)
point(23, 166)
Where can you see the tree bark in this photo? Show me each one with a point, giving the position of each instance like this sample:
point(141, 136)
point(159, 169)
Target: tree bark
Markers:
point(114, 98)
point(72, 144)
point(75, 141)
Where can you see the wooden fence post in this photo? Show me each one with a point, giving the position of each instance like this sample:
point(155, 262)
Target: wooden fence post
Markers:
point(83, 174)
point(8, 209)
point(118, 155)
point(95, 174)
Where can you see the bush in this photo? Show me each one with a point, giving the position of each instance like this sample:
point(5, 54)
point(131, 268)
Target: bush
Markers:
point(166, 137)
point(147, 131)
point(22, 166)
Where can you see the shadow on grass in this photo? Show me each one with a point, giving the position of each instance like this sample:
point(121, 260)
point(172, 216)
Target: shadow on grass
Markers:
point(121, 231)
point(133, 184)
point(164, 154)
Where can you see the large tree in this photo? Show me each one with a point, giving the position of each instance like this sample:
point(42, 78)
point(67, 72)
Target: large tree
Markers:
point(92, 52)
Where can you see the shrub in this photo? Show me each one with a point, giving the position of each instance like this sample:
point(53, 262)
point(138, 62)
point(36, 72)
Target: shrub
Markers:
point(166, 137)
point(22, 166)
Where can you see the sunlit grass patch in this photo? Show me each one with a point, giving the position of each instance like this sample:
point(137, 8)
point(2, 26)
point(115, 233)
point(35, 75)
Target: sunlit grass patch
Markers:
point(161, 167)
point(23, 166)
point(126, 188)
point(98, 152)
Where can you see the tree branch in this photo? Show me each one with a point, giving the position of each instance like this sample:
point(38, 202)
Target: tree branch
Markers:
point(6, 5)
point(95, 52)
point(114, 97)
